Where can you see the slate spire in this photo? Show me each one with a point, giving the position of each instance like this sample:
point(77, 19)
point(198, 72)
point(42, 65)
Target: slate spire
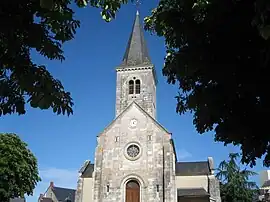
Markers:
point(136, 52)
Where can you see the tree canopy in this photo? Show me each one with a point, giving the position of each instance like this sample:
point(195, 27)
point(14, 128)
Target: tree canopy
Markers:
point(42, 26)
point(18, 168)
point(218, 53)
point(235, 184)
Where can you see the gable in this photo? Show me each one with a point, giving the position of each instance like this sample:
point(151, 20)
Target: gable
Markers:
point(133, 106)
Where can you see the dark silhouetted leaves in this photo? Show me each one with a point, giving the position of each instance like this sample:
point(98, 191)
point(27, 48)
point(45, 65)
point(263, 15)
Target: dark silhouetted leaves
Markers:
point(41, 25)
point(218, 52)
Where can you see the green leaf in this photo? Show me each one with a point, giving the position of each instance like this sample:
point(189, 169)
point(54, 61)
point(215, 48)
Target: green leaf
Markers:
point(18, 170)
point(214, 83)
point(235, 184)
point(21, 80)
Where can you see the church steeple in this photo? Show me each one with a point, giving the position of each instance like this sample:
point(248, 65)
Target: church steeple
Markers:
point(136, 52)
point(136, 78)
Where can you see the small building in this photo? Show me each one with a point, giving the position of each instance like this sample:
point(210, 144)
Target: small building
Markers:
point(264, 185)
point(57, 194)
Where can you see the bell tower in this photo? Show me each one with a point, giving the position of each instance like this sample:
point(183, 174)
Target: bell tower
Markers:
point(136, 78)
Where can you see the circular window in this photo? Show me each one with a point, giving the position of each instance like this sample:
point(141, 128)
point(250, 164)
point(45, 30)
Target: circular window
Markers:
point(133, 151)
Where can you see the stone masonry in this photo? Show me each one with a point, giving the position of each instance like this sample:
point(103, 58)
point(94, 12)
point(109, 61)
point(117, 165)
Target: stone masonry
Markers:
point(153, 167)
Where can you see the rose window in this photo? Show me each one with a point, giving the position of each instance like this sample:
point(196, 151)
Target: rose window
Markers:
point(133, 151)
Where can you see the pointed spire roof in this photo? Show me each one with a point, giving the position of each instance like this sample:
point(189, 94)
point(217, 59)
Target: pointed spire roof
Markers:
point(136, 52)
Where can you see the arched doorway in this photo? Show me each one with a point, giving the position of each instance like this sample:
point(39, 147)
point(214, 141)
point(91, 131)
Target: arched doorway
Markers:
point(132, 191)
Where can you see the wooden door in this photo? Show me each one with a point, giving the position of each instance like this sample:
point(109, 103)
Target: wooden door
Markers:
point(132, 191)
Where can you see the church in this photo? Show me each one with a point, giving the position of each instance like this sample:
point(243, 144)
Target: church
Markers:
point(135, 157)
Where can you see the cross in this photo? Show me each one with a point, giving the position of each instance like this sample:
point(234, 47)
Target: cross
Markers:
point(137, 4)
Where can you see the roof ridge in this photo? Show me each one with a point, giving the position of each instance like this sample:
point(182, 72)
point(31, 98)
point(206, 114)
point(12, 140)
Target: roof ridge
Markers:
point(64, 188)
point(192, 162)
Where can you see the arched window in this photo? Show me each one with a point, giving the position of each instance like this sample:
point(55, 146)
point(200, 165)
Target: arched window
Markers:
point(131, 87)
point(137, 86)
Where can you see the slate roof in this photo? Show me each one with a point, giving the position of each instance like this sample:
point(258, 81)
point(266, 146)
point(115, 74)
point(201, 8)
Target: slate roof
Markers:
point(136, 51)
point(88, 171)
point(182, 169)
point(185, 192)
point(266, 183)
point(63, 193)
point(192, 168)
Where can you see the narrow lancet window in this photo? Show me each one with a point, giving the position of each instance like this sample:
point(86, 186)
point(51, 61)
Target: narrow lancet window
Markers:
point(131, 87)
point(138, 86)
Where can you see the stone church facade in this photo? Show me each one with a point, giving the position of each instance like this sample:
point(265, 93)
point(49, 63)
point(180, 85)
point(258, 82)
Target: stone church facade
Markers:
point(135, 157)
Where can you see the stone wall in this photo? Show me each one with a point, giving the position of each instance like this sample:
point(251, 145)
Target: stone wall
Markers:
point(113, 168)
point(146, 99)
point(214, 188)
point(98, 169)
point(78, 195)
point(169, 173)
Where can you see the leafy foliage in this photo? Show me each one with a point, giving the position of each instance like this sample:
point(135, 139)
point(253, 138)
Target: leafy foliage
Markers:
point(235, 184)
point(18, 168)
point(216, 52)
point(43, 26)
point(109, 7)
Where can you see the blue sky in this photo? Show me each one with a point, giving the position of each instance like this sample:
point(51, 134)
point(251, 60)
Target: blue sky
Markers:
point(62, 144)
